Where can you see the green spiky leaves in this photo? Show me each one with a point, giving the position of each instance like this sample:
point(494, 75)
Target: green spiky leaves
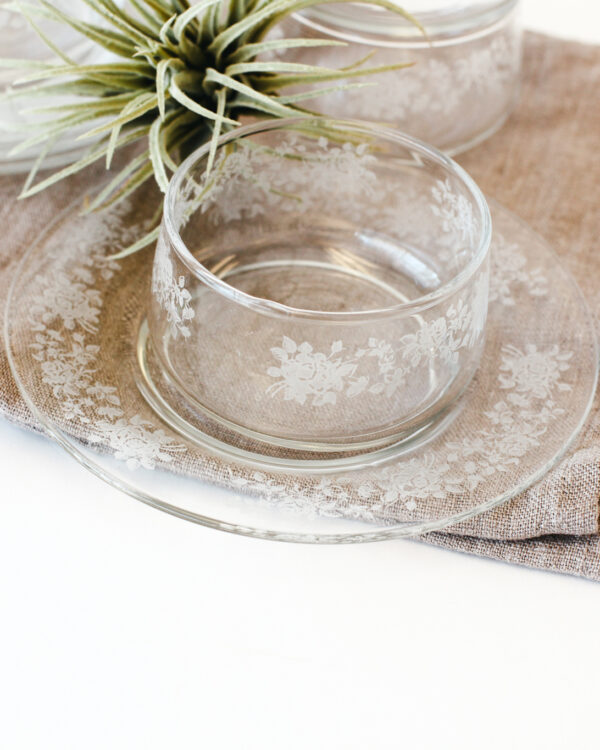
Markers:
point(177, 74)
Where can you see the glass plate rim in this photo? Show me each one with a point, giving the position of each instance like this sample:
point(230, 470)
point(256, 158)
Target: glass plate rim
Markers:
point(396, 531)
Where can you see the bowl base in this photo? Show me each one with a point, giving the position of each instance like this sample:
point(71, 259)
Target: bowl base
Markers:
point(206, 429)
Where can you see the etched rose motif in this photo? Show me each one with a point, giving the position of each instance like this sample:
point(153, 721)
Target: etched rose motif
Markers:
point(71, 302)
point(509, 266)
point(170, 293)
point(532, 371)
point(66, 377)
point(64, 317)
point(107, 400)
point(304, 372)
point(407, 480)
point(516, 444)
point(67, 371)
point(137, 443)
point(251, 182)
point(455, 211)
point(441, 83)
point(76, 410)
point(424, 343)
point(435, 339)
point(502, 414)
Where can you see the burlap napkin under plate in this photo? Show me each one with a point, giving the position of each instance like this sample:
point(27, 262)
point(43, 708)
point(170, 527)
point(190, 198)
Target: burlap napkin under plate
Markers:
point(545, 166)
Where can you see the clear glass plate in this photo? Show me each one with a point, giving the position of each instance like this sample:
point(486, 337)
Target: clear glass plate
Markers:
point(72, 323)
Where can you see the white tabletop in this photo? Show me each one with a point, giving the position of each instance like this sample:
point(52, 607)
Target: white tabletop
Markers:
point(124, 628)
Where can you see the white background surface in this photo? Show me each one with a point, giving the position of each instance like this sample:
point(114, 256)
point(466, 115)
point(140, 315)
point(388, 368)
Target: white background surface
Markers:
point(124, 628)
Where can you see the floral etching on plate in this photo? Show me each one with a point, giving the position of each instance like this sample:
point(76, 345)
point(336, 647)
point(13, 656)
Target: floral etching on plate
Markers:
point(531, 381)
point(65, 319)
point(170, 292)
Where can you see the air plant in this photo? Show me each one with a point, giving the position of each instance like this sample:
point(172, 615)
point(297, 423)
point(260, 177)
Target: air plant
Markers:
point(177, 74)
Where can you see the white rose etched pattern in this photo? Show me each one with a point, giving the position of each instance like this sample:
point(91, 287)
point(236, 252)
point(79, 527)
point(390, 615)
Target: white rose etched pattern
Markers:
point(534, 372)
point(339, 176)
point(71, 301)
point(304, 372)
point(513, 426)
point(170, 292)
point(509, 269)
point(319, 378)
point(451, 93)
point(137, 442)
point(439, 84)
point(455, 211)
point(516, 424)
point(65, 319)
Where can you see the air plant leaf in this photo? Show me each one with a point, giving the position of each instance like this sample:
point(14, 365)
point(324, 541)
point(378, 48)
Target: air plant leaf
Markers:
point(173, 74)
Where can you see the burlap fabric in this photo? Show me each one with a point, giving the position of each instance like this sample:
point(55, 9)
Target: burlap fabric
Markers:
point(543, 165)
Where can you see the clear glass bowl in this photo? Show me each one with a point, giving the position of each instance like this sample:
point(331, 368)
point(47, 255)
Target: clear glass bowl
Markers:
point(322, 297)
point(18, 40)
point(464, 77)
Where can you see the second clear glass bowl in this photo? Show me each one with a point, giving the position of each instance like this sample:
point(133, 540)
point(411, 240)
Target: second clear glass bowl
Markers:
point(464, 75)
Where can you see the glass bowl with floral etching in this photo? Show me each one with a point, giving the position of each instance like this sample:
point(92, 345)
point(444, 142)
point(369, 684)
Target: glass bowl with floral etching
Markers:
point(464, 74)
point(322, 292)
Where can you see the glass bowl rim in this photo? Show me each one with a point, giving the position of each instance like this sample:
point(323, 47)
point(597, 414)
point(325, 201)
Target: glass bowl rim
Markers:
point(449, 27)
point(278, 309)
